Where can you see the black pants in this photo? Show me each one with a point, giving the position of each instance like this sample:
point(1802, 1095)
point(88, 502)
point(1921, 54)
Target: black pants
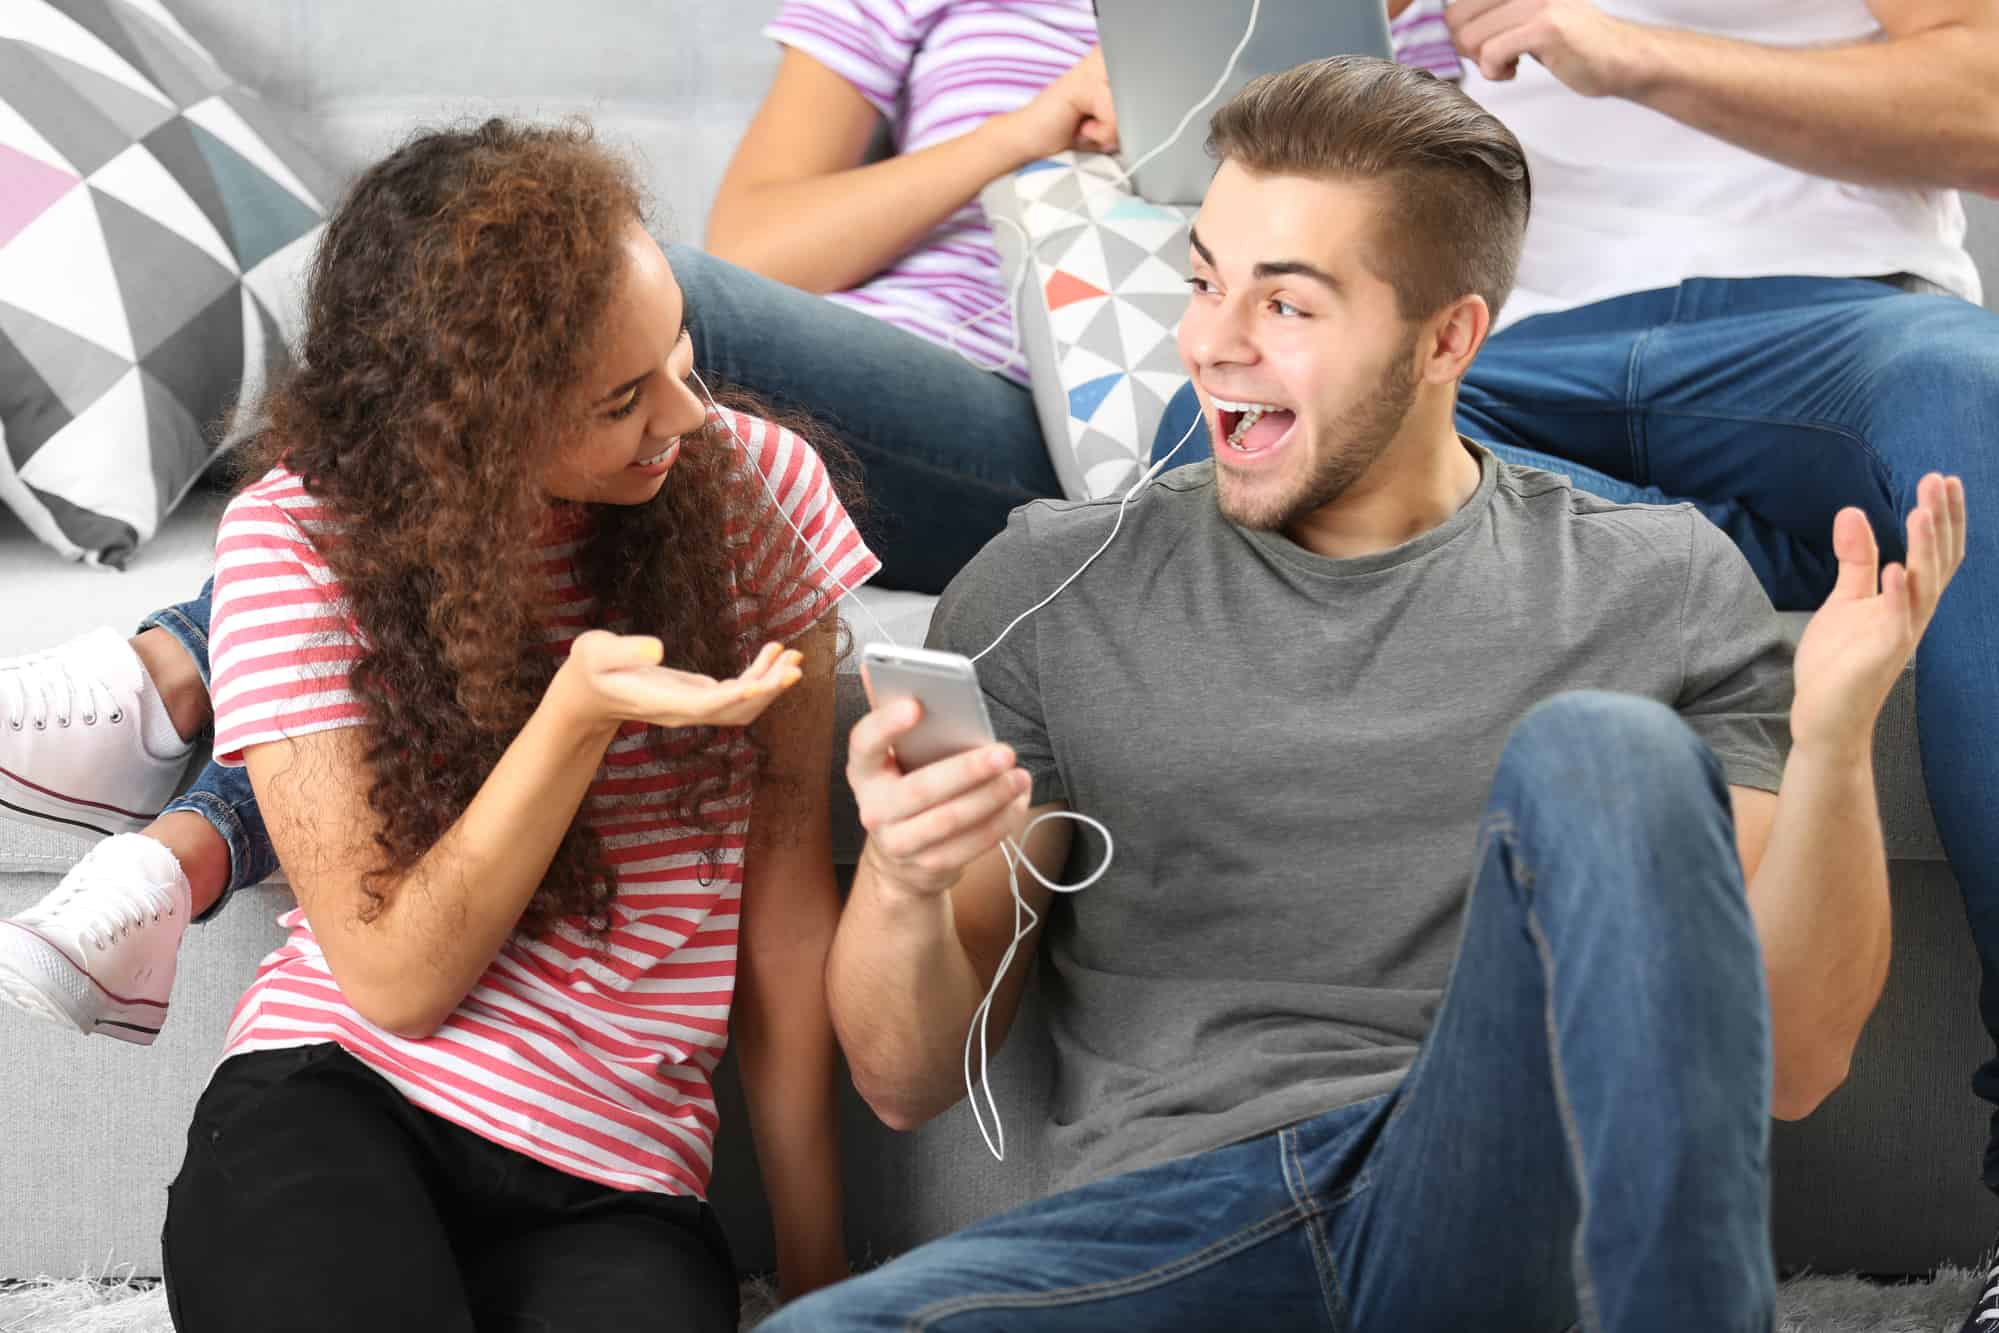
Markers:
point(314, 1196)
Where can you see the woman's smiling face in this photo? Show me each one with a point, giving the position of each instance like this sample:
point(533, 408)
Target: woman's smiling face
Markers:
point(636, 398)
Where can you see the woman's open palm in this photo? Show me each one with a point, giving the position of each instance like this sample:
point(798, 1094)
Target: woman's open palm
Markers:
point(618, 678)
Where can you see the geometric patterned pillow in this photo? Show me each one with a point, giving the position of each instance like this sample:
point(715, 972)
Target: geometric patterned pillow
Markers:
point(155, 228)
point(1097, 312)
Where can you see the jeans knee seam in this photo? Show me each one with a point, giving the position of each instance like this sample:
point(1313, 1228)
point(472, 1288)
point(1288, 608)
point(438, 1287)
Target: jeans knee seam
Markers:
point(1640, 470)
point(1589, 1307)
point(1206, 1257)
point(1499, 826)
point(1315, 1232)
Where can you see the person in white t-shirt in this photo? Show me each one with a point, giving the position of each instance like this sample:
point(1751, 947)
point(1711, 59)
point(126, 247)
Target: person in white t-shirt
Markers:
point(1745, 284)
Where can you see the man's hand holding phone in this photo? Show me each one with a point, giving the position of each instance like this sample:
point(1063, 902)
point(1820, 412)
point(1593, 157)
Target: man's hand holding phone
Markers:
point(925, 827)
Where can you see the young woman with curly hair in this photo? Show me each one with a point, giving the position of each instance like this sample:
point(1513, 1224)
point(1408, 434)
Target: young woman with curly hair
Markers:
point(497, 636)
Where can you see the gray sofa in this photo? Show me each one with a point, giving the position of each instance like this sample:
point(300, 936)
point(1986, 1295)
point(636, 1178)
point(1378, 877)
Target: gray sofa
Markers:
point(1882, 1179)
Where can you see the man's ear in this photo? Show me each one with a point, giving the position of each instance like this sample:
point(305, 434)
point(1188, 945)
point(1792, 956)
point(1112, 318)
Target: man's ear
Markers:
point(1450, 339)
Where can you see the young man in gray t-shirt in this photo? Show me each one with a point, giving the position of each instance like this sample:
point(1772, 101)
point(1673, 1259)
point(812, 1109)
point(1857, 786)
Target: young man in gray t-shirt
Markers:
point(1481, 888)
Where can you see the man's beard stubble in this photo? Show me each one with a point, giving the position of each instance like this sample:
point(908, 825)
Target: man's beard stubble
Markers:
point(1361, 434)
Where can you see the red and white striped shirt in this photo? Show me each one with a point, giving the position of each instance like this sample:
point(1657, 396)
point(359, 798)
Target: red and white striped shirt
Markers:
point(593, 1056)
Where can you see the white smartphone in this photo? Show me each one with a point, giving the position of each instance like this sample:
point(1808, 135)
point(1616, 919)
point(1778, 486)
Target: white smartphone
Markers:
point(954, 709)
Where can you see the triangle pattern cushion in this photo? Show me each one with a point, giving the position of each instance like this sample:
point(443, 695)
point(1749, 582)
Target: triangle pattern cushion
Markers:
point(164, 279)
point(57, 269)
point(166, 55)
point(137, 178)
point(27, 187)
point(200, 364)
point(156, 224)
point(85, 136)
point(1105, 291)
point(135, 113)
point(76, 370)
point(31, 408)
point(264, 217)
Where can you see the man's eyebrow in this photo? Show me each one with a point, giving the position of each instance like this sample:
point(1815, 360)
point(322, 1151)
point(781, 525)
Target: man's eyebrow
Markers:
point(1285, 268)
point(1279, 268)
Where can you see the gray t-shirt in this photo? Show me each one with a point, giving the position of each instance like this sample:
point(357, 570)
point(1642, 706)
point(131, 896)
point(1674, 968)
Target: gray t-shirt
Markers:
point(1293, 752)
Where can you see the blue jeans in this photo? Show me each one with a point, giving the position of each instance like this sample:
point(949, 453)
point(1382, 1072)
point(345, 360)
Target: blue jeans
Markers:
point(1583, 1136)
point(1771, 403)
point(949, 450)
point(220, 795)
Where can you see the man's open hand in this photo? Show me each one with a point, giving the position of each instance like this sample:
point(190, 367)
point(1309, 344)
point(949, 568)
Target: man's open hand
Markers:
point(1862, 638)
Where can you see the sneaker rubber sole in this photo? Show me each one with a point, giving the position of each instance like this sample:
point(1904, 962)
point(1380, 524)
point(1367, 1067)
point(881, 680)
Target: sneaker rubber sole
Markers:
point(39, 979)
point(25, 800)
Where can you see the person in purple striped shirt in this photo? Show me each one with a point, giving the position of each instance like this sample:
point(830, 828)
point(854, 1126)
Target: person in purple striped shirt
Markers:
point(910, 354)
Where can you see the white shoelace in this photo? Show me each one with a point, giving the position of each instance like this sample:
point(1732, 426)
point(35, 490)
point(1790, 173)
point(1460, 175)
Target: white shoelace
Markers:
point(42, 688)
point(112, 904)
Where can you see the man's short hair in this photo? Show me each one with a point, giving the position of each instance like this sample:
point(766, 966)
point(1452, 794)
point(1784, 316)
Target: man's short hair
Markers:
point(1456, 191)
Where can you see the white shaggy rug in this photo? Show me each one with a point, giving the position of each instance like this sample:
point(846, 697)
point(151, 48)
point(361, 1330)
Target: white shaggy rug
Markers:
point(1805, 1305)
point(52, 1305)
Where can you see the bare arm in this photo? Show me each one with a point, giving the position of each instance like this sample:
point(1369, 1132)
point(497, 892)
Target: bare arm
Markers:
point(929, 916)
point(783, 1035)
point(1813, 854)
point(797, 205)
point(1818, 893)
point(444, 920)
point(1918, 108)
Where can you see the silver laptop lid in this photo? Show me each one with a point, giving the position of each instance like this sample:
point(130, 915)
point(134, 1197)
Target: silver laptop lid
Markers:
point(1164, 55)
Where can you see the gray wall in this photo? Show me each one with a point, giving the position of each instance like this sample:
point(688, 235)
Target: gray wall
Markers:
point(672, 83)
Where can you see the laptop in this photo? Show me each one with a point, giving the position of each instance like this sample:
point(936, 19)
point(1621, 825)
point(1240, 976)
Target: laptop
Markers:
point(1164, 55)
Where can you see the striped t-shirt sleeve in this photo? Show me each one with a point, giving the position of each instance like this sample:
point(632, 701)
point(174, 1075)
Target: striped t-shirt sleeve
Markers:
point(806, 554)
point(280, 643)
point(1423, 40)
point(865, 42)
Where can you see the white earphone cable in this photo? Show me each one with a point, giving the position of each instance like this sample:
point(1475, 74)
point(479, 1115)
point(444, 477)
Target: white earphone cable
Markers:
point(1158, 466)
point(1025, 918)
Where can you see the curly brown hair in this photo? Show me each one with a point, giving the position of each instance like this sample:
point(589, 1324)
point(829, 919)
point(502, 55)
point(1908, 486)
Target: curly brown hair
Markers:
point(458, 296)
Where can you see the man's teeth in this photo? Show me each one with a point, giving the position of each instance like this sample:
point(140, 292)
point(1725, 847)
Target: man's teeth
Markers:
point(1251, 413)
